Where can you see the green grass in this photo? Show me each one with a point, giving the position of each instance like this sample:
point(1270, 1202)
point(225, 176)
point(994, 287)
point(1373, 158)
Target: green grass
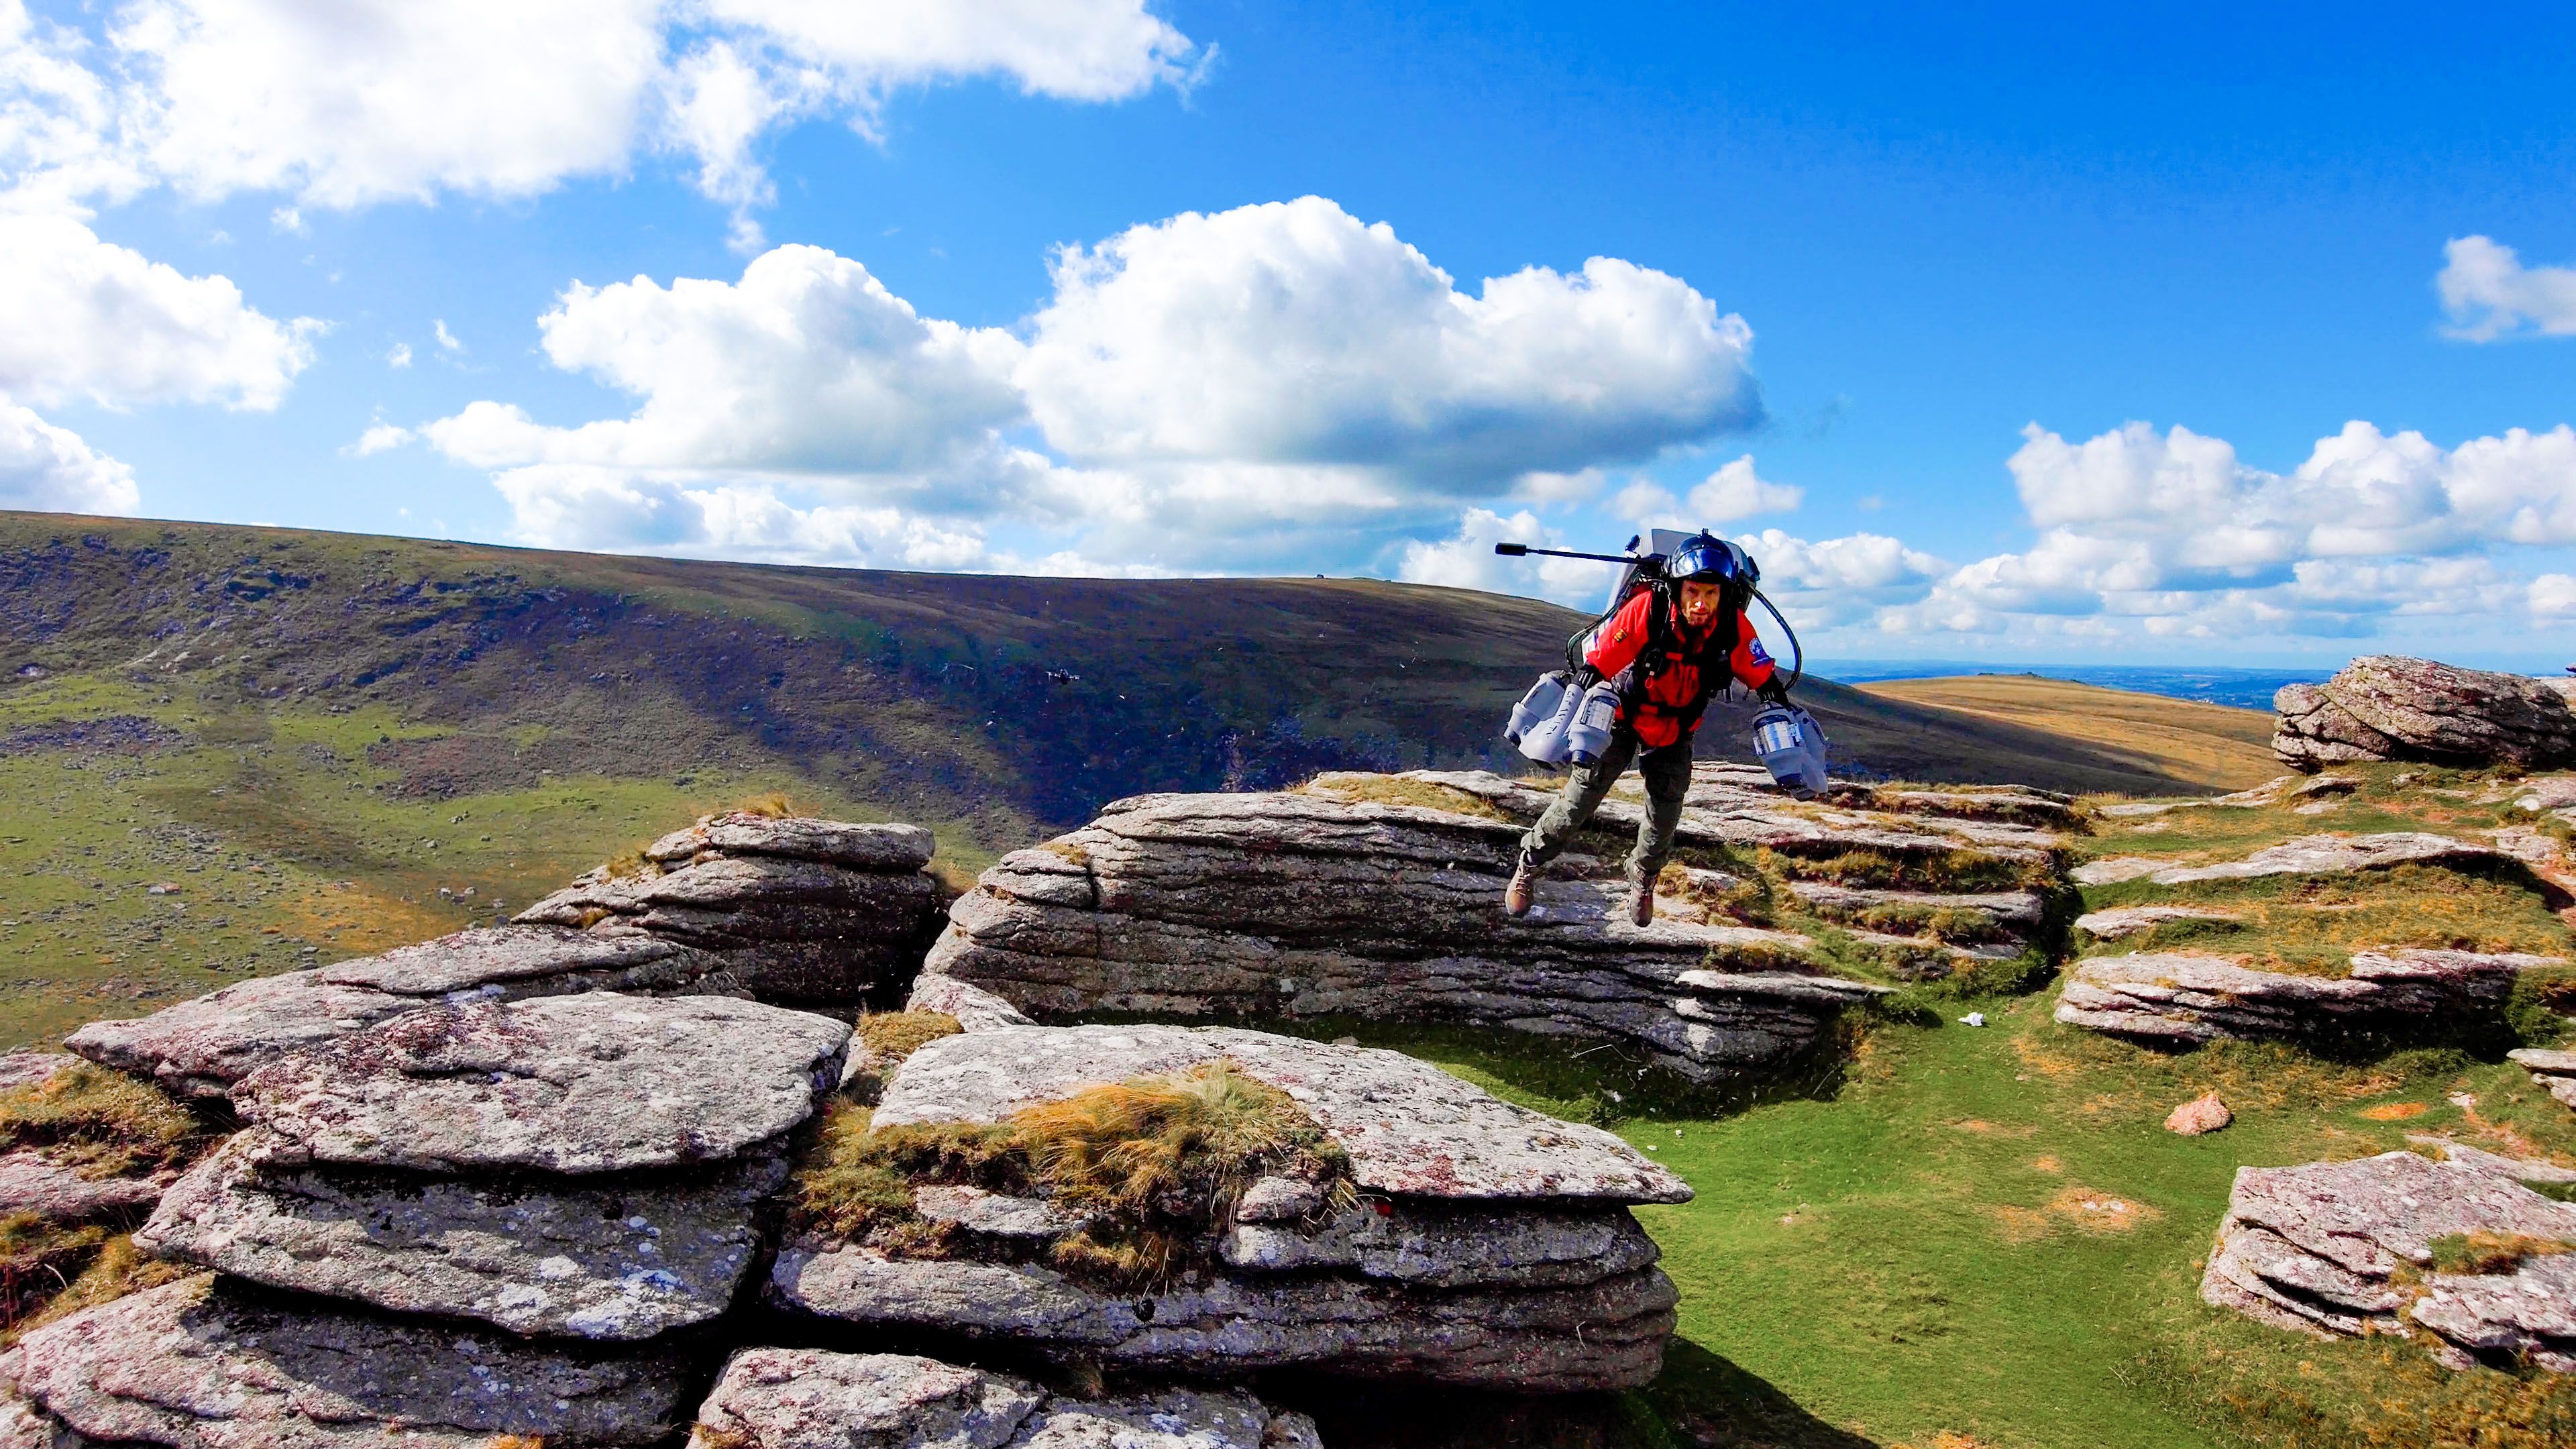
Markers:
point(1901, 1247)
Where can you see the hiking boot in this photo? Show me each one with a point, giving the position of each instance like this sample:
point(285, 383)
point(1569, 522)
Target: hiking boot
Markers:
point(1641, 905)
point(1524, 887)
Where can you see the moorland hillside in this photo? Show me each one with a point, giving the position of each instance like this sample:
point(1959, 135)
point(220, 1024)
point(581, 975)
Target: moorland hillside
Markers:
point(322, 745)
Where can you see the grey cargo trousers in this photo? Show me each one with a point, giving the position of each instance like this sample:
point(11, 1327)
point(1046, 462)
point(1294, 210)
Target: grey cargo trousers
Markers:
point(1667, 772)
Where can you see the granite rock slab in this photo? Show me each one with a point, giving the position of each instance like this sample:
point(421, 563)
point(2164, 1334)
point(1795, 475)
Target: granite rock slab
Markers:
point(2388, 707)
point(600, 1082)
point(1608, 1334)
point(610, 1259)
point(2178, 997)
point(199, 1048)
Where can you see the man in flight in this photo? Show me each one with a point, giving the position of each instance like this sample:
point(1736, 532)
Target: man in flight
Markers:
point(1672, 647)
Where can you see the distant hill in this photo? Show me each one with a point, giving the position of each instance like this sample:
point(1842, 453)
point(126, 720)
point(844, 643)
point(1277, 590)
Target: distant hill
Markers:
point(333, 744)
point(2209, 746)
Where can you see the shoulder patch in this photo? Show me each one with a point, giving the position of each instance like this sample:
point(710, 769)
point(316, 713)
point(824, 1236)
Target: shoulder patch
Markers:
point(1760, 655)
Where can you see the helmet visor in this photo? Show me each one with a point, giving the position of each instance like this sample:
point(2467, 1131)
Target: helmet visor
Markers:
point(1704, 558)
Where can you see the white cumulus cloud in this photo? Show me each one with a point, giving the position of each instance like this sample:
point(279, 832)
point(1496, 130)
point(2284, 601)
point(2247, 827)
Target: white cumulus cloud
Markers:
point(361, 101)
point(2175, 533)
point(84, 318)
point(1292, 334)
point(49, 469)
point(1467, 560)
point(1152, 415)
point(2553, 596)
point(2488, 292)
point(1730, 495)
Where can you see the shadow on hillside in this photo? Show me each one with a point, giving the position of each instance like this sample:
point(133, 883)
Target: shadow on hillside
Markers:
point(1700, 1401)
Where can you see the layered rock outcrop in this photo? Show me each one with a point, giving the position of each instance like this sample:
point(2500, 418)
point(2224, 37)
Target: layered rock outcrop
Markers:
point(1378, 896)
point(808, 912)
point(2348, 1248)
point(800, 911)
point(585, 1166)
point(2173, 997)
point(2386, 707)
point(1488, 1245)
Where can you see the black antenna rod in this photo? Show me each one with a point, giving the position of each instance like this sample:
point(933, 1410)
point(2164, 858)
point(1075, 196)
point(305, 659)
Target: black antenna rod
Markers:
point(1522, 550)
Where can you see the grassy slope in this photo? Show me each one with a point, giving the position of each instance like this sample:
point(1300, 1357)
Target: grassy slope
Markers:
point(2210, 746)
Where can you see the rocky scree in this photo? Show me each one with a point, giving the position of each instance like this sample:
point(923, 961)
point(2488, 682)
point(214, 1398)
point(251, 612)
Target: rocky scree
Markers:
point(1377, 896)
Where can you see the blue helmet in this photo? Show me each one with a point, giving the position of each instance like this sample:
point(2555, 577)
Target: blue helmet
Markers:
point(1706, 556)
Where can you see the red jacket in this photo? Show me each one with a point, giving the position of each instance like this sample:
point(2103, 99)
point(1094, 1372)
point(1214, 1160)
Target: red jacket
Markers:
point(1695, 660)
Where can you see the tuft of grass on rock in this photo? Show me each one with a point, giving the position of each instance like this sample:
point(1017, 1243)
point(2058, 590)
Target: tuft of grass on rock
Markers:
point(1395, 790)
point(2485, 1252)
point(99, 1123)
point(891, 1036)
point(1157, 1162)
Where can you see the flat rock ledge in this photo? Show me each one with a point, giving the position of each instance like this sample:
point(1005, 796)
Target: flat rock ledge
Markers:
point(785, 1398)
point(2552, 1071)
point(1328, 901)
point(2346, 1248)
point(2184, 998)
point(2307, 855)
point(203, 1364)
point(590, 1167)
point(809, 912)
point(2387, 707)
point(625, 1257)
point(1492, 1247)
point(820, 912)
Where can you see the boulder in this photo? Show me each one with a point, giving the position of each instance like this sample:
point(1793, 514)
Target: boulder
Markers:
point(789, 1398)
point(1335, 901)
point(1492, 1246)
point(2199, 1117)
point(2385, 707)
point(201, 1364)
point(601, 1082)
point(821, 912)
point(32, 1183)
point(199, 1048)
point(2185, 998)
point(2348, 1248)
point(624, 1257)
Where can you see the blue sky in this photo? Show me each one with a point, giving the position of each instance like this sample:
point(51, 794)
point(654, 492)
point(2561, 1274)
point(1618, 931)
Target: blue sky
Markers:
point(2044, 331)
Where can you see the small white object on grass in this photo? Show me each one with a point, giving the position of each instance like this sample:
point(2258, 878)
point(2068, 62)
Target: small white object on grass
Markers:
point(1974, 1018)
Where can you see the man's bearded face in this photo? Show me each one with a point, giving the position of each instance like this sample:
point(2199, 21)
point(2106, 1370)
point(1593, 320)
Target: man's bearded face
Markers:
point(1700, 602)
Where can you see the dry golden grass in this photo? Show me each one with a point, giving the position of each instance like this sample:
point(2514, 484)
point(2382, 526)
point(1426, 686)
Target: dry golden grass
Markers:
point(98, 1122)
point(2313, 926)
point(1154, 1161)
point(2208, 745)
point(1390, 790)
point(891, 1036)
